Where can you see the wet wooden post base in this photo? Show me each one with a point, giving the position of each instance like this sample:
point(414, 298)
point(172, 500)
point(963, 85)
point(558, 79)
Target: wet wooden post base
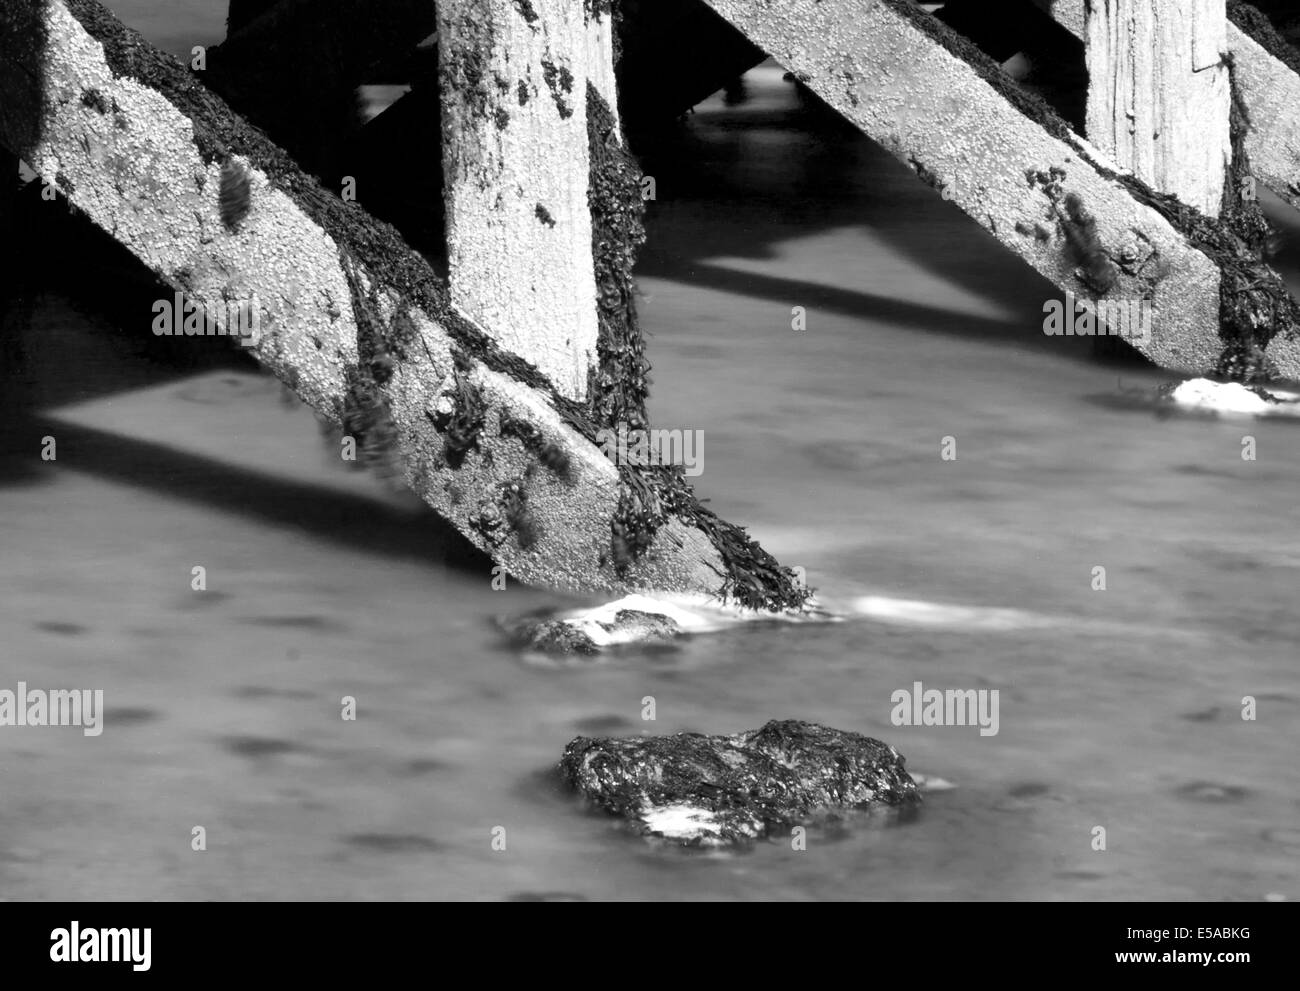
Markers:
point(1159, 97)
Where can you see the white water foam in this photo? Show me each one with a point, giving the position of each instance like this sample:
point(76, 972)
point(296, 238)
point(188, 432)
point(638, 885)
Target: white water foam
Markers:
point(914, 612)
point(1234, 399)
point(680, 821)
point(691, 613)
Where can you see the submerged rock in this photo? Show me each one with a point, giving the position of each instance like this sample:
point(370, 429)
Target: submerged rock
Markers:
point(639, 619)
point(589, 634)
point(557, 637)
point(715, 790)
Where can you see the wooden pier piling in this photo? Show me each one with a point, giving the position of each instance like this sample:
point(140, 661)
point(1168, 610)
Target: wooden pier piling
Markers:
point(355, 322)
point(486, 390)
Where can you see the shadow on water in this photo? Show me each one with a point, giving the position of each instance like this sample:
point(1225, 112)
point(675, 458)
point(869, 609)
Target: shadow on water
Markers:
point(740, 162)
point(104, 348)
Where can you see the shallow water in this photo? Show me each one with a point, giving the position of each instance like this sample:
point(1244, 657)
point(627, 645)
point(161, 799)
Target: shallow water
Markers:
point(1119, 709)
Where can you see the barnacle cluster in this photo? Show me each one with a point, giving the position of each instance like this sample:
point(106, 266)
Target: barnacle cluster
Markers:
point(545, 452)
point(462, 424)
point(620, 382)
point(505, 512)
point(1080, 227)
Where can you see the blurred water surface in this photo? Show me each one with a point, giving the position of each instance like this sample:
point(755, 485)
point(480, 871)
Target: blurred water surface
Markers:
point(1119, 709)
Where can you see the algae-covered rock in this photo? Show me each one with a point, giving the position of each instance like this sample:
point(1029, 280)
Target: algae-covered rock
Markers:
point(589, 636)
point(715, 790)
point(634, 619)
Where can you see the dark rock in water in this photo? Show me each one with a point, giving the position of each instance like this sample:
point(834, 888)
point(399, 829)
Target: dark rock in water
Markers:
point(558, 637)
point(637, 626)
point(713, 790)
point(589, 635)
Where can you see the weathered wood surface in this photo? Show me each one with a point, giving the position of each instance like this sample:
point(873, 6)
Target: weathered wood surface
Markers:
point(1159, 99)
point(352, 320)
point(1269, 88)
point(517, 170)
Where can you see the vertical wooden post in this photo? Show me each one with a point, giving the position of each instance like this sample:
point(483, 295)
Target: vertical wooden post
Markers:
point(513, 79)
point(1159, 95)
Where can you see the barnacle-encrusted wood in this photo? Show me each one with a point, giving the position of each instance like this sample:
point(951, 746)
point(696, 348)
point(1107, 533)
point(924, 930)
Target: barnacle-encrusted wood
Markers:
point(1008, 161)
point(354, 321)
point(712, 790)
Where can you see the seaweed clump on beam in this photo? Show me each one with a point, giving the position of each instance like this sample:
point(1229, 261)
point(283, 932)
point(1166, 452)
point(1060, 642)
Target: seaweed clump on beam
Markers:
point(1081, 235)
point(620, 383)
point(365, 415)
point(543, 451)
point(462, 420)
point(1251, 298)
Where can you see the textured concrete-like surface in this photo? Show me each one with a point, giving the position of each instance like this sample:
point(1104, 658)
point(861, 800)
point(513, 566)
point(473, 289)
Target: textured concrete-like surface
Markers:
point(936, 113)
